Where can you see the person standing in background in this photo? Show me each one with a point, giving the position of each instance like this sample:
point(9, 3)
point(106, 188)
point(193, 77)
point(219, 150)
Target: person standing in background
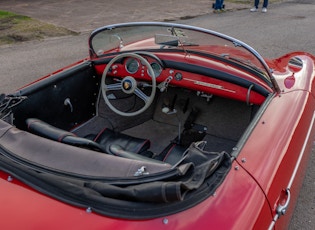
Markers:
point(264, 8)
point(218, 6)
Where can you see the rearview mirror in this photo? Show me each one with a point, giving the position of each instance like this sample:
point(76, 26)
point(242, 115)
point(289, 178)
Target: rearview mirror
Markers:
point(167, 40)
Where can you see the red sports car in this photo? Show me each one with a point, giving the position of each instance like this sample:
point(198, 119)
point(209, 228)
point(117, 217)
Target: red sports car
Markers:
point(163, 126)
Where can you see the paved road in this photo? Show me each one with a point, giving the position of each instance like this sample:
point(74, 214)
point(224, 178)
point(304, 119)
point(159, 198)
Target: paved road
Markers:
point(288, 26)
point(83, 16)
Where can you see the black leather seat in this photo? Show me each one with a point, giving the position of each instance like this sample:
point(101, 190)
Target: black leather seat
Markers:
point(108, 137)
point(43, 129)
point(106, 141)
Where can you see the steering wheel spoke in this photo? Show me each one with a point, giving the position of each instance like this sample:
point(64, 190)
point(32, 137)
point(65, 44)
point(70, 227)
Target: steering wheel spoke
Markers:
point(141, 95)
point(112, 87)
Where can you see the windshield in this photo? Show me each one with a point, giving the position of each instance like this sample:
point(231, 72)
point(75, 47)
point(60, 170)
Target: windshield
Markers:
point(167, 36)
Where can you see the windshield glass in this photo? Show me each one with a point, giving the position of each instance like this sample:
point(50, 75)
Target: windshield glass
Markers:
point(167, 36)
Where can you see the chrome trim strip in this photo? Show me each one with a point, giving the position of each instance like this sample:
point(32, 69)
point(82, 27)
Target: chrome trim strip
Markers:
point(302, 152)
point(209, 85)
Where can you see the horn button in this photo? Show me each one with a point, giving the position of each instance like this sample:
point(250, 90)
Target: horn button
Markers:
point(128, 85)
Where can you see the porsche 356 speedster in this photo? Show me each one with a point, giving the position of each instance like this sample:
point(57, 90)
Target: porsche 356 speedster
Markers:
point(163, 126)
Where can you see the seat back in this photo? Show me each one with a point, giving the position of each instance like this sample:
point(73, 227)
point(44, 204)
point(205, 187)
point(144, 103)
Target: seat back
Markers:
point(129, 147)
point(43, 129)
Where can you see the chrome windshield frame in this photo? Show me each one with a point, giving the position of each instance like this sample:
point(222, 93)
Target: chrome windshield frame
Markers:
point(235, 41)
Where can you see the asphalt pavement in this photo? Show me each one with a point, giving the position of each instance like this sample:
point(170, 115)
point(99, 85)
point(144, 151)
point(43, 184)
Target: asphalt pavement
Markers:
point(84, 16)
point(287, 26)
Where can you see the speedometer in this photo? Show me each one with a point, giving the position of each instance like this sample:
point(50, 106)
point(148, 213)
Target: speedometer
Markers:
point(157, 69)
point(132, 65)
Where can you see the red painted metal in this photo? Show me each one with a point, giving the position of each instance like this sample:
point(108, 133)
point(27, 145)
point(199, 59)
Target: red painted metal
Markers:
point(287, 126)
point(231, 207)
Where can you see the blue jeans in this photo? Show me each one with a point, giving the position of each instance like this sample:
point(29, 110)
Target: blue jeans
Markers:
point(265, 4)
point(219, 4)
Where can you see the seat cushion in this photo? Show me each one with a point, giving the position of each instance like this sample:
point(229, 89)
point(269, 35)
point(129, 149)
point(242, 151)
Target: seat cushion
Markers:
point(108, 137)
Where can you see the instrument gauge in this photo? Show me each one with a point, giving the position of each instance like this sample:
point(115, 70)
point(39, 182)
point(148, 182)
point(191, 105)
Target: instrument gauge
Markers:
point(132, 65)
point(157, 69)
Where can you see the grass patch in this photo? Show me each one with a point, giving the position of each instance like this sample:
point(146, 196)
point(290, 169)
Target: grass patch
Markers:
point(18, 28)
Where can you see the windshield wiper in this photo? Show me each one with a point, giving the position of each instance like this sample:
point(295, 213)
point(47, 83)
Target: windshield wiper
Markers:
point(245, 63)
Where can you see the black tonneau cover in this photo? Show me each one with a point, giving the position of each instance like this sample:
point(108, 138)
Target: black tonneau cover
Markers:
point(107, 184)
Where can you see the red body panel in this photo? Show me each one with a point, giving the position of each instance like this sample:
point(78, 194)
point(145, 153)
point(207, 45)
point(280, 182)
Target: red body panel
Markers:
point(287, 126)
point(239, 203)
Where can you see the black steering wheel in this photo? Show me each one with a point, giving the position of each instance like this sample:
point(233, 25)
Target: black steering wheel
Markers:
point(128, 85)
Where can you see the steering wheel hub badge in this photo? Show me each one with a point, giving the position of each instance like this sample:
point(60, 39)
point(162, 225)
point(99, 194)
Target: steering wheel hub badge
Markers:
point(128, 85)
